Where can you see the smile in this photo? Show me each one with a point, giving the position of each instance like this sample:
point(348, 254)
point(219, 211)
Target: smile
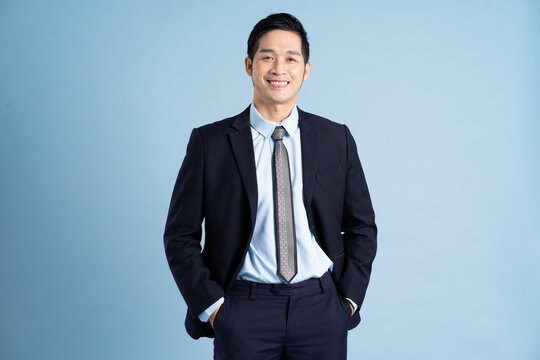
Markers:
point(278, 84)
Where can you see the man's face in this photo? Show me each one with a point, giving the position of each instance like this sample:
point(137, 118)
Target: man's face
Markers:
point(277, 70)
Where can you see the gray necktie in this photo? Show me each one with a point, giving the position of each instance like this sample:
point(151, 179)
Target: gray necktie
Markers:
point(283, 209)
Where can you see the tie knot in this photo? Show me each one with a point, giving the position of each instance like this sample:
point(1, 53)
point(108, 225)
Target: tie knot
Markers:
point(278, 133)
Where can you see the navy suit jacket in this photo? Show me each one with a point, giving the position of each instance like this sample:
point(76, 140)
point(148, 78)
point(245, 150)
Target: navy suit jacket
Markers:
point(217, 182)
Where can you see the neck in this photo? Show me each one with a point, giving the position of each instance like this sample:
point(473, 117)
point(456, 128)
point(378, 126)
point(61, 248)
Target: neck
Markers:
point(274, 112)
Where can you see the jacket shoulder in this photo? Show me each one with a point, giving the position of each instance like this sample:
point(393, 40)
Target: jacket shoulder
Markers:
point(224, 126)
point(217, 127)
point(324, 124)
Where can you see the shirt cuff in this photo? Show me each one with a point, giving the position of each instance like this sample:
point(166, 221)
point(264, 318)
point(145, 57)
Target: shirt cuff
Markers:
point(353, 304)
point(205, 315)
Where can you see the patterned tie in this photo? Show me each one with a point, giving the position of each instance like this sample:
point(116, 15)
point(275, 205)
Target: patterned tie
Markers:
point(283, 209)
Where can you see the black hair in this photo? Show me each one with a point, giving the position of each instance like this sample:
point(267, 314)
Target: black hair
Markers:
point(281, 21)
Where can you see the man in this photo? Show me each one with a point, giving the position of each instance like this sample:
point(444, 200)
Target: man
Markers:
point(290, 232)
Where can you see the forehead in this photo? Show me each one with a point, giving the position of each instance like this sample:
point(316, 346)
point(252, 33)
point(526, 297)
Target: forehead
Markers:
point(280, 40)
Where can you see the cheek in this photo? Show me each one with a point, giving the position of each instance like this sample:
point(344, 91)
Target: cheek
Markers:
point(297, 73)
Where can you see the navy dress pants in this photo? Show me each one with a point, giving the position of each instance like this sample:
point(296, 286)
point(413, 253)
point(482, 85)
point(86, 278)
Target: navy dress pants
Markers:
point(307, 320)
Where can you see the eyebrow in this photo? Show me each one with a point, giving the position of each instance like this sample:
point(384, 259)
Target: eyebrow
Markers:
point(291, 52)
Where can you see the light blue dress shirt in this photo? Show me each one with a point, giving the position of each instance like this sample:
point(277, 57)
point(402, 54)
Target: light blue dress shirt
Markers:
point(260, 263)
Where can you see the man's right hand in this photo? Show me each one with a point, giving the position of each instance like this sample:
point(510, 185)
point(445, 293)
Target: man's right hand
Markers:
point(213, 316)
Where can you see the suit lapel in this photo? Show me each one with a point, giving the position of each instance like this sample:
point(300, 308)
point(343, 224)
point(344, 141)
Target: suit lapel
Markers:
point(242, 146)
point(309, 139)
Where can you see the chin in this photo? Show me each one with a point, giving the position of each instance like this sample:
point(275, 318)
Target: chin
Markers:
point(281, 99)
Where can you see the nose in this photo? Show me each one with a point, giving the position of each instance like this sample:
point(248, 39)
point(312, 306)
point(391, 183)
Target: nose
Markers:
point(279, 67)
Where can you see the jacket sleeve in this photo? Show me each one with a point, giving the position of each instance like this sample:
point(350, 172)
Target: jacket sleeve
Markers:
point(358, 228)
point(182, 237)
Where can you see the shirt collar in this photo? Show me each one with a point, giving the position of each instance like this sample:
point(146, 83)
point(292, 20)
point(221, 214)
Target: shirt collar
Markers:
point(266, 127)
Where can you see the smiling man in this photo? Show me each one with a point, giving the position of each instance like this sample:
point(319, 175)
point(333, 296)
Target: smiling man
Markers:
point(290, 232)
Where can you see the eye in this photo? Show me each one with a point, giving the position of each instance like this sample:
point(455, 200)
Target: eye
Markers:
point(293, 59)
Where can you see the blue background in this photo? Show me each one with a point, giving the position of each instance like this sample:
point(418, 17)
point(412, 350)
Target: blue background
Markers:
point(97, 100)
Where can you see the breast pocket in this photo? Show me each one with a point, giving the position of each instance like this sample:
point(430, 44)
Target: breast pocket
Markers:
point(333, 173)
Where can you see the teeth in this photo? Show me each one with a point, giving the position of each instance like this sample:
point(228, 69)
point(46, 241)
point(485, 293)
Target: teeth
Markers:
point(278, 82)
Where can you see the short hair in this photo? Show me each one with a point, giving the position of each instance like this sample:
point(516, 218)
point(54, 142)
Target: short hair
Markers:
point(281, 21)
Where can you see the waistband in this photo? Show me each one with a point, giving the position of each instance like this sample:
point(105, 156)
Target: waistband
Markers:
point(306, 287)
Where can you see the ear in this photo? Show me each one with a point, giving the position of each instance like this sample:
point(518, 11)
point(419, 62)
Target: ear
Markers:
point(249, 65)
point(307, 69)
